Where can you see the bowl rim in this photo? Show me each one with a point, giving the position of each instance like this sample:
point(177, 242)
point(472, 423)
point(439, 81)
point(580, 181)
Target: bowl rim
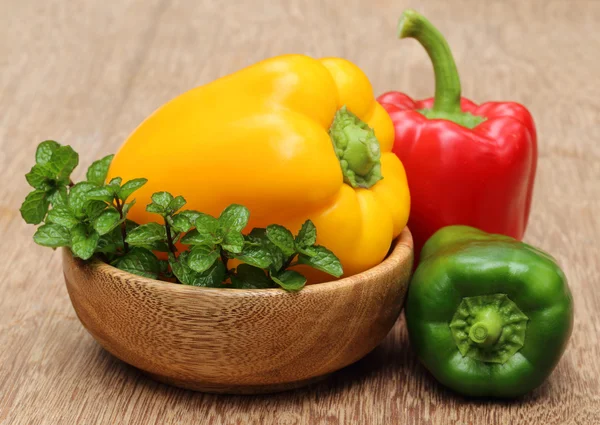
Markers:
point(402, 246)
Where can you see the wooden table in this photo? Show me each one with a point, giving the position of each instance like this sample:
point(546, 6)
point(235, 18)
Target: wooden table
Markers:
point(87, 72)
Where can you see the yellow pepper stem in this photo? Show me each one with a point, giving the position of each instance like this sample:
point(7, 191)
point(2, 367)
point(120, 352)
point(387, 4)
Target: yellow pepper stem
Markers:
point(357, 149)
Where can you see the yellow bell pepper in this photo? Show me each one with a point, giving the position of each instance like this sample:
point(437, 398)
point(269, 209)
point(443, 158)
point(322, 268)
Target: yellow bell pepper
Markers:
point(277, 138)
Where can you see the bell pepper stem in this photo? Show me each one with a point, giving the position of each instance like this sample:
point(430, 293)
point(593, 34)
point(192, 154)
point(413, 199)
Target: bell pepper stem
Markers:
point(447, 83)
point(487, 328)
point(446, 104)
point(357, 149)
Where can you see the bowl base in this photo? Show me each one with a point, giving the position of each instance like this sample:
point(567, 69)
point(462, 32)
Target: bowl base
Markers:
point(210, 387)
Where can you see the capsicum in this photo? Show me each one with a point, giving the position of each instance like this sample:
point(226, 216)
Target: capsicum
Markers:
point(488, 315)
point(291, 138)
point(466, 163)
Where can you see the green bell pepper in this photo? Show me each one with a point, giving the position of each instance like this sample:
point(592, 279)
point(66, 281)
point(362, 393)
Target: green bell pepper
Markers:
point(488, 315)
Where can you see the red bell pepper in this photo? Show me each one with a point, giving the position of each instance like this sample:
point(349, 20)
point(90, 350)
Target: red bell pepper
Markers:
point(466, 163)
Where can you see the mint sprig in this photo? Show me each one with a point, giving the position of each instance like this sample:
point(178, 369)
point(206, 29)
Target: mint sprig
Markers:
point(49, 176)
point(270, 251)
point(80, 216)
point(163, 237)
point(90, 218)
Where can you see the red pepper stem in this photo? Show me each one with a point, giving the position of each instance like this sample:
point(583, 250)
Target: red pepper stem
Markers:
point(447, 82)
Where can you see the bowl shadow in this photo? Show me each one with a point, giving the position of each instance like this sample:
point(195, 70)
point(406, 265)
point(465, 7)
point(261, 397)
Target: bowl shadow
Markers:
point(392, 359)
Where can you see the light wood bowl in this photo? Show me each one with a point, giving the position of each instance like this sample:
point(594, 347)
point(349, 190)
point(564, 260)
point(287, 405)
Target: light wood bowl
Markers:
point(239, 341)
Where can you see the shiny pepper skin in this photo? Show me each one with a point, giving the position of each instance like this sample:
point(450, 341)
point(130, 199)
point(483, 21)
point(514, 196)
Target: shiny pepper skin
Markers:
point(260, 138)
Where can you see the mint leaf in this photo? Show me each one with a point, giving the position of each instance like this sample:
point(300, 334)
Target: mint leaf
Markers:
point(108, 220)
point(146, 234)
point(176, 204)
point(93, 209)
point(78, 197)
point(207, 224)
point(131, 186)
point(52, 235)
point(115, 182)
point(98, 171)
point(114, 185)
point(161, 203)
point(277, 257)
point(62, 163)
point(113, 241)
point(100, 194)
point(62, 216)
point(233, 242)
point(180, 223)
point(44, 151)
point(213, 277)
point(155, 208)
point(249, 277)
point(191, 215)
point(234, 218)
point(39, 177)
point(195, 238)
point(256, 256)
point(58, 196)
point(202, 257)
point(322, 259)
point(34, 208)
point(259, 251)
point(162, 199)
point(185, 220)
point(205, 233)
point(289, 280)
point(282, 238)
point(307, 235)
point(83, 241)
point(141, 262)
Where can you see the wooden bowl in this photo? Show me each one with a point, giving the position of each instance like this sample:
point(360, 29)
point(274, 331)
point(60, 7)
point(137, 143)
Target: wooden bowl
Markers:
point(239, 341)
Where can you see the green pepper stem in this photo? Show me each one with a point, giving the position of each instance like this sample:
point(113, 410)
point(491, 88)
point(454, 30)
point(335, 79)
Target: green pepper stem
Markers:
point(447, 83)
point(487, 328)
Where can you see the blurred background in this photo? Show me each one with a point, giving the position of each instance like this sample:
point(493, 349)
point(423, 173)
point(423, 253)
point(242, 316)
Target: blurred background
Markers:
point(88, 71)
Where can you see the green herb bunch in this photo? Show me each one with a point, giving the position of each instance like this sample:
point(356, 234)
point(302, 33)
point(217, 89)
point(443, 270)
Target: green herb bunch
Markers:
point(90, 218)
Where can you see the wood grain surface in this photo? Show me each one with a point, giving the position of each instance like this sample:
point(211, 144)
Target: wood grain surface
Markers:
point(86, 72)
